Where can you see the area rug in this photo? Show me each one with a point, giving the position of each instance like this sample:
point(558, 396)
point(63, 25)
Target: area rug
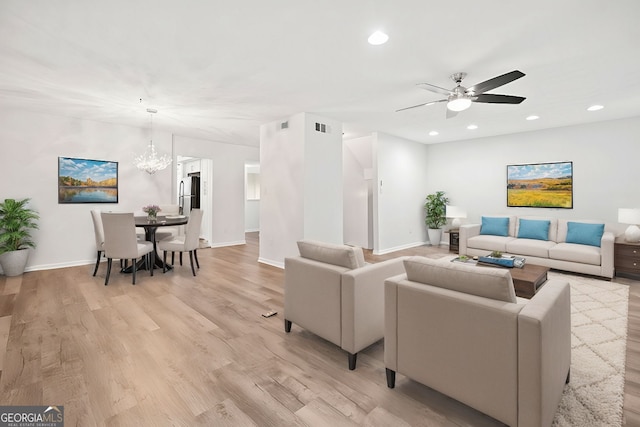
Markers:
point(595, 394)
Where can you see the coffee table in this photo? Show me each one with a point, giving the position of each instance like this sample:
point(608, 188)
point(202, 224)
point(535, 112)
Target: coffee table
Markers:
point(526, 280)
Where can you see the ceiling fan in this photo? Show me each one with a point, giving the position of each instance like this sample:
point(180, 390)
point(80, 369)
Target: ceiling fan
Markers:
point(460, 98)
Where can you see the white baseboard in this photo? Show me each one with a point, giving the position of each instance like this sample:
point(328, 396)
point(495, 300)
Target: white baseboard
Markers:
point(399, 248)
point(223, 244)
point(252, 230)
point(271, 263)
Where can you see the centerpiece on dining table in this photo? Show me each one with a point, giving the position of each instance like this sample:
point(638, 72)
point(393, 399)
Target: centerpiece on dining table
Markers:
point(152, 212)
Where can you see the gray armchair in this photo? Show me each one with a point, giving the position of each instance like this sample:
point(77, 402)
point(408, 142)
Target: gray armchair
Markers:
point(330, 291)
point(460, 330)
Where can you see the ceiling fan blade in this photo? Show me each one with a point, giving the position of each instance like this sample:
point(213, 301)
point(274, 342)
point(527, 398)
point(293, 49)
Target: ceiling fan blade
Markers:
point(451, 113)
point(495, 82)
point(490, 98)
point(421, 105)
point(433, 88)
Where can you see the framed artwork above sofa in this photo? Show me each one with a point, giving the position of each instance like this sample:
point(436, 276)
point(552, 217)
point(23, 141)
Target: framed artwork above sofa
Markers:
point(540, 185)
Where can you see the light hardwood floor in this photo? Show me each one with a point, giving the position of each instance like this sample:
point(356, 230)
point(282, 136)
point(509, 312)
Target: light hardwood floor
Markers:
point(185, 351)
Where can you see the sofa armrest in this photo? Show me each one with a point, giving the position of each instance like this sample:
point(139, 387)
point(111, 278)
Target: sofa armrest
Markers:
point(363, 303)
point(312, 292)
point(544, 353)
point(466, 232)
point(606, 253)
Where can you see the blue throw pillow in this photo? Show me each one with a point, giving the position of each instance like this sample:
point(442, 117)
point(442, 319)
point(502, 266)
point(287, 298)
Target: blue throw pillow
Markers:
point(534, 229)
point(495, 226)
point(584, 233)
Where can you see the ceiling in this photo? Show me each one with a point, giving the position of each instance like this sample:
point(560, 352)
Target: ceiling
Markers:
point(219, 69)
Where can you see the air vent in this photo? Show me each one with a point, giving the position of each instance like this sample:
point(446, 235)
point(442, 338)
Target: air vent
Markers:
point(284, 125)
point(321, 127)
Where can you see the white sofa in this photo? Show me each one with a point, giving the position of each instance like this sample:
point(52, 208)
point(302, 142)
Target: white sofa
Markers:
point(553, 252)
point(330, 290)
point(459, 329)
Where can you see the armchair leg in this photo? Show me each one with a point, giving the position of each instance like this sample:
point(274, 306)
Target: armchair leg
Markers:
point(568, 376)
point(97, 263)
point(352, 360)
point(193, 270)
point(287, 325)
point(106, 279)
point(391, 378)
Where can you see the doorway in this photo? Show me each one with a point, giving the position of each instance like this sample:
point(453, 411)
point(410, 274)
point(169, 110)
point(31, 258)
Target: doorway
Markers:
point(193, 181)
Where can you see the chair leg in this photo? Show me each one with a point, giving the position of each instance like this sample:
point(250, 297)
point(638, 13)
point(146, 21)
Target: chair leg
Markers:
point(391, 378)
point(164, 262)
point(150, 262)
point(97, 263)
point(180, 258)
point(568, 376)
point(173, 258)
point(287, 325)
point(193, 270)
point(352, 360)
point(106, 279)
point(195, 255)
point(133, 271)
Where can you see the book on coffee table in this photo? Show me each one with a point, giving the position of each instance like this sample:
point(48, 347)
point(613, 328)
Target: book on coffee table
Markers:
point(504, 261)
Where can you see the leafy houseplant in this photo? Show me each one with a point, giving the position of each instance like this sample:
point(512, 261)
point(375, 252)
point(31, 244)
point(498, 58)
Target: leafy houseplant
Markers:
point(435, 209)
point(16, 223)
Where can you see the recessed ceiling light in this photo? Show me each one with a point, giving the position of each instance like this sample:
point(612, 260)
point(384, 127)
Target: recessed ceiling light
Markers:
point(433, 133)
point(378, 38)
point(472, 127)
point(533, 117)
point(595, 107)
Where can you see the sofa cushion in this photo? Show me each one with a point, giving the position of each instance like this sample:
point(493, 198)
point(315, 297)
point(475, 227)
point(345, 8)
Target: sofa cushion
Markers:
point(342, 255)
point(530, 247)
point(495, 226)
point(489, 243)
point(494, 283)
point(584, 233)
point(533, 229)
point(573, 252)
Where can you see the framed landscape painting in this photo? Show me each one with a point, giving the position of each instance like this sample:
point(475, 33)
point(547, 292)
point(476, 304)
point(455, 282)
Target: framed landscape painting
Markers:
point(87, 181)
point(540, 185)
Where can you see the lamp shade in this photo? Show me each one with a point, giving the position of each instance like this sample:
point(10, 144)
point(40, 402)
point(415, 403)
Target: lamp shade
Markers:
point(456, 213)
point(630, 216)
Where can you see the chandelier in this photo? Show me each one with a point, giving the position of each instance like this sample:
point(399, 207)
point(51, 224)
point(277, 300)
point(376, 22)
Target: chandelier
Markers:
point(151, 161)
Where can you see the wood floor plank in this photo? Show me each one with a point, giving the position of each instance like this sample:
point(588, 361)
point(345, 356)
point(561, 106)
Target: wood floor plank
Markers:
point(194, 351)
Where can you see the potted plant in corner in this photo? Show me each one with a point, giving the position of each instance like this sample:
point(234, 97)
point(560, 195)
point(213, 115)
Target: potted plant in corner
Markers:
point(16, 223)
point(435, 208)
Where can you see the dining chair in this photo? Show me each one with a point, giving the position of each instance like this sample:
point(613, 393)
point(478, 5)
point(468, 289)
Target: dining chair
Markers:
point(188, 242)
point(169, 232)
point(99, 234)
point(120, 242)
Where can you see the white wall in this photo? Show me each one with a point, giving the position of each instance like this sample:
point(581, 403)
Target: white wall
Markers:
point(251, 206)
point(31, 144)
point(605, 169)
point(401, 177)
point(301, 185)
point(227, 184)
point(357, 164)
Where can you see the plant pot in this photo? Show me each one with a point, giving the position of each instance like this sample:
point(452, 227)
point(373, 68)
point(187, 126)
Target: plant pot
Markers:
point(14, 262)
point(435, 234)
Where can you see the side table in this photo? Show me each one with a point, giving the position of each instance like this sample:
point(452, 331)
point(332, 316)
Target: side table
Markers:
point(454, 240)
point(626, 260)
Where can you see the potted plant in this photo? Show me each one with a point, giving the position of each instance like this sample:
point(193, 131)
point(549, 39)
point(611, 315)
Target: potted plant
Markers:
point(16, 223)
point(435, 208)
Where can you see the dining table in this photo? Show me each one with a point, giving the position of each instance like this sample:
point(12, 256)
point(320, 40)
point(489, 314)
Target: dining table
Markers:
point(150, 227)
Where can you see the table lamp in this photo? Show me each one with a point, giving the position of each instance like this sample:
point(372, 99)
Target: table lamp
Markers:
point(630, 216)
point(456, 213)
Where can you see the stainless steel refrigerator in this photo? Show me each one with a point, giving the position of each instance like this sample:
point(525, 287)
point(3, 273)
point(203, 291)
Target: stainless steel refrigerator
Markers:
point(189, 193)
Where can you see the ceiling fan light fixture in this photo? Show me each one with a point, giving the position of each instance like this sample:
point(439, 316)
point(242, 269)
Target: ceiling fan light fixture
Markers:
point(378, 38)
point(459, 104)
